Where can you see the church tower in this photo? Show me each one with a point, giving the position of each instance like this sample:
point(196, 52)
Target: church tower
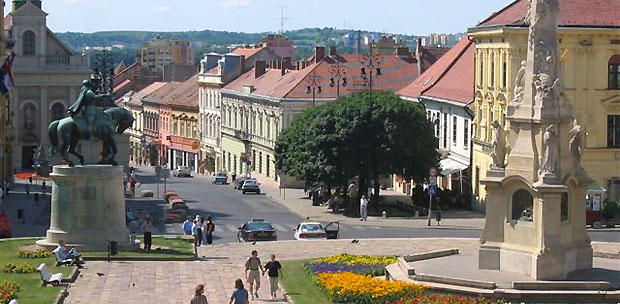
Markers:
point(19, 3)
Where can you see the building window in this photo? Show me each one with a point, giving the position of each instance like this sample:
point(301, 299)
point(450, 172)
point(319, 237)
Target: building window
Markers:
point(614, 73)
point(522, 206)
point(477, 186)
point(445, 130)
point(454, 128)
point(253, 159)
point(28, 43)
point(481, 72)
point(466, 134)
point(504, 74)
point(492, 71)
point(175, 127)
point(268, 164)
point(235, 162)
point(613, 131)
point(260, 162)
point(229, 163)
point(58, 111)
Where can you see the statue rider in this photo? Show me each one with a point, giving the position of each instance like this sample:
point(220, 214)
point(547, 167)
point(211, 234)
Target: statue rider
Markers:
point(85, 104)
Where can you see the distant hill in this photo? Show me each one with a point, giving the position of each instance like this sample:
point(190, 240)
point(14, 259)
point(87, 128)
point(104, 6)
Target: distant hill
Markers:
point(218, 41)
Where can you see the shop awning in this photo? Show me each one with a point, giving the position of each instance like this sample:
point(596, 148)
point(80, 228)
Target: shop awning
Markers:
point(449, 166)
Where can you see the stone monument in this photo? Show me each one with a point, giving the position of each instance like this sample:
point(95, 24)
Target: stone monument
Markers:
point(535, 220)
point(87, 203)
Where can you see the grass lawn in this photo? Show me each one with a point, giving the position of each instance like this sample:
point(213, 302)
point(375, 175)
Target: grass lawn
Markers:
point(170, 248)
point(30, 284)
point(300, 285)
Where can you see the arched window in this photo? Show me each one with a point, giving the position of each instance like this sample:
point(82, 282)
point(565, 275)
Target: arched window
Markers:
point(522, 206)
point(614, 73)
point(58, 111)
point(28, 43)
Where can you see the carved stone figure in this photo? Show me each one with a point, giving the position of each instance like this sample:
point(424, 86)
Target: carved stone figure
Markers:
point(519, 84)
point(545, 88)
point(576, 145)
point(499, 145)
point(550, 157)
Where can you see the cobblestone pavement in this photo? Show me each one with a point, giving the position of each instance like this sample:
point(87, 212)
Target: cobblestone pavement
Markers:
point(174, 282)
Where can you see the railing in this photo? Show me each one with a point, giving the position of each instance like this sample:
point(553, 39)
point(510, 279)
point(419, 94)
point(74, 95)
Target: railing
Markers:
point(58, 60)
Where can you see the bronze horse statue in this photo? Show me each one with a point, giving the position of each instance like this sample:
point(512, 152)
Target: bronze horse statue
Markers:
point(66, 133)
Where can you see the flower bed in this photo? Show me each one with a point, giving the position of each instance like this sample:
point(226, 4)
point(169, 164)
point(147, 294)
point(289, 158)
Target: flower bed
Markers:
point(347, 287)
point(430, 298)
point(34, 254)
point(21, 268)
point(360, 264)
point(8, 289)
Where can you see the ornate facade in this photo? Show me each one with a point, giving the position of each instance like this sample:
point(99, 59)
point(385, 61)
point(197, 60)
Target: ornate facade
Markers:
point(590, 55)
point(47, 76)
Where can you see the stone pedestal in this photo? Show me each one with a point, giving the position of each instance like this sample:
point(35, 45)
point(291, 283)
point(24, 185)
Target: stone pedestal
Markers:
point(88, 207)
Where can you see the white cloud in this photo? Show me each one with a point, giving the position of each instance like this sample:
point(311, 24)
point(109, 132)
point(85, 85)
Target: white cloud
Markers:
point(234, 3)
point(162, 8)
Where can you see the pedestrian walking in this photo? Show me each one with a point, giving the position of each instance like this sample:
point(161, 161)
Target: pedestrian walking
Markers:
point(187, 226)
point(363, 208)
point(438, 216)
point(43, 187)
point(196, 237)
point(132, 186)
point(274, 271)
point(234, 176)
point(199, 229)
point(147, 229)
point(240, 294)
point(199, 297)
point(36, 198)
point(253, 266)
point(27, 189)
point(210, 227)
point(133, 231)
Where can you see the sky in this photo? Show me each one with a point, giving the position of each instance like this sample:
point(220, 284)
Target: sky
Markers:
point(414, 17)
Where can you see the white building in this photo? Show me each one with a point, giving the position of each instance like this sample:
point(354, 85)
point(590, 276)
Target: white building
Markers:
point(445, 90)
point(48, 76)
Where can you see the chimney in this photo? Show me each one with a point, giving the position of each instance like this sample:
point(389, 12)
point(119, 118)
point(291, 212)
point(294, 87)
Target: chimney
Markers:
point(332, 51)
point(319, 53)
point(418, 55)
point(298, 65)
point(402, 51)
point(358, 48)
point(259, 68)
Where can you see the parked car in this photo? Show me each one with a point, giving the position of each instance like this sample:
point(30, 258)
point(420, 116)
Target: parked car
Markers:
point(257, 230)
point(5, 226)
point(183, 171)
point(315, 231)
point(219, 177)
point(250, 185)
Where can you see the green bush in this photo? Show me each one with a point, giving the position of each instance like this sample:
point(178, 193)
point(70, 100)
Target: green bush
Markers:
point(610, 209)
point(34, 254)
point(21, 268)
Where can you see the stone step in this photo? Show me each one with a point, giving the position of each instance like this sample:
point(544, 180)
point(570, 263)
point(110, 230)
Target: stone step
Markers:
point(405, 267)
point(562, 285)
point(430, 255)
point(394, 273)
point(454, 281)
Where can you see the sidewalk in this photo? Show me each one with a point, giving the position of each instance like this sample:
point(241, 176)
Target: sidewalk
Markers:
point(296, 201)
point(174, 282)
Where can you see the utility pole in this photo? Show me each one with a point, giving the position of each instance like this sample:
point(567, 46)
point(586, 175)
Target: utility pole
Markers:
point(282, 18)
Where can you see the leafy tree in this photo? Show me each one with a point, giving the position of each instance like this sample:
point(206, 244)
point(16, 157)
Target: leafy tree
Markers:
point(331, 143)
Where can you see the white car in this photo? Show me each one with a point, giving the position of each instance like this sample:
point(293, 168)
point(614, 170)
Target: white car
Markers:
point(310, 231)
point(183, 171)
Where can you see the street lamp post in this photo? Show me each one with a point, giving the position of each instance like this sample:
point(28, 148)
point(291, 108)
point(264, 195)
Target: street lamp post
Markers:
point(339, 73)
point(314, 85)
point(103, 71)
point(370, 62)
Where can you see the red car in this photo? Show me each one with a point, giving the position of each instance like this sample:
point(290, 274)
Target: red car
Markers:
point(5, 226)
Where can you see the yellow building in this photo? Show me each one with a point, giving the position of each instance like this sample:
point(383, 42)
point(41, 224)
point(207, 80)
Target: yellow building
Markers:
point(159, 53)
point(590, 47)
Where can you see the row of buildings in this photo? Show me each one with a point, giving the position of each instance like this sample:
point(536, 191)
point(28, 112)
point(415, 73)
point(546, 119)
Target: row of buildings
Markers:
point(226, 114)
point(245, 100)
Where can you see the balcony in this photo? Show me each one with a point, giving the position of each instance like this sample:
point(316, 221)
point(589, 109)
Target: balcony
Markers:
point(58, 60)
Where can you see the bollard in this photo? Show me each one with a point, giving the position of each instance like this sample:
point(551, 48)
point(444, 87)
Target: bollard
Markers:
point(384, 214)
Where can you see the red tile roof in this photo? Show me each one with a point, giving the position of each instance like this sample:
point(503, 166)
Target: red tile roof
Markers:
point(587, 13)
point(158, 95)
point(247, 52)
point(121, 85)
point(450, 78)
point(136, 98)
point(184, 95)
point(397, 73)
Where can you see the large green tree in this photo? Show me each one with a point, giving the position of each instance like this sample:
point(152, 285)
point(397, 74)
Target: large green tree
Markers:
point(358, 136)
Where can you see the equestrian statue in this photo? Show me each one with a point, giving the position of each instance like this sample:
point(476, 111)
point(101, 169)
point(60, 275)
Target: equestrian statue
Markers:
point(89, 120)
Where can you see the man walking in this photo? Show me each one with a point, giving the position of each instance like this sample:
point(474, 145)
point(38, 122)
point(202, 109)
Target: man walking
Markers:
point(363, 208)
point(252, 274)
point(210, 227)
point(187, 226)
point(274, 272)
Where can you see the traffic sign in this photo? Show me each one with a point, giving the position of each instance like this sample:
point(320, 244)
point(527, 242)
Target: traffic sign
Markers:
point(432, 189)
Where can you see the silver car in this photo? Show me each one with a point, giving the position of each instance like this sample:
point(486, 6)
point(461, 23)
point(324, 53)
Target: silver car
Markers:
point(250, 185)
